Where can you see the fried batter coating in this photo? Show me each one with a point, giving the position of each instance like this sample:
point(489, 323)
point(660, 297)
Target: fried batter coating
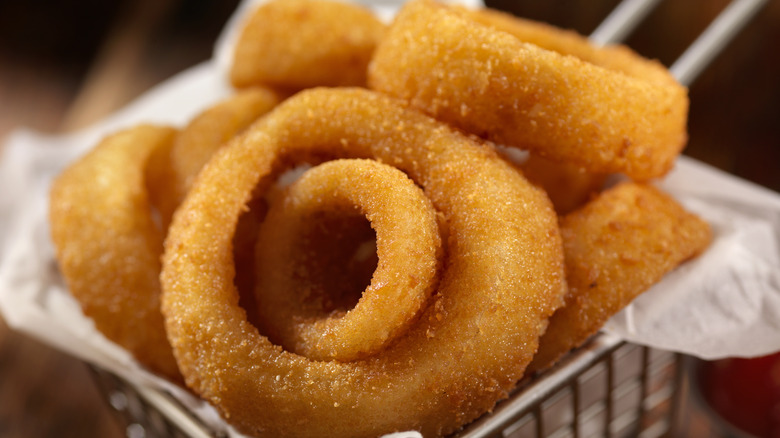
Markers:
point(534, 87)
point(569, 186)
point(502, 279)
point(616, 247)
point(108, 246)
point(409, 254)
point(297, 44)
point(176, 167)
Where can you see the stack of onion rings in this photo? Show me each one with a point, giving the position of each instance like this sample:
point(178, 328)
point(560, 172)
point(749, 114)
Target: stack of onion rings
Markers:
point(468, 348)
point(467, 262)
point(605, 109)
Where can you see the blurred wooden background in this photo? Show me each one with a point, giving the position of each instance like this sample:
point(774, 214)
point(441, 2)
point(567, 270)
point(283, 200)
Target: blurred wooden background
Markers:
point(65, 64)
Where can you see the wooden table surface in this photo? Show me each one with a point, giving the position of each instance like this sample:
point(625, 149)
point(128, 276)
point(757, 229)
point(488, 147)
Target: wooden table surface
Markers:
point(44, 393)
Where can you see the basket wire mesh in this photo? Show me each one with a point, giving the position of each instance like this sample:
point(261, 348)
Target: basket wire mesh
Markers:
point(606, 388)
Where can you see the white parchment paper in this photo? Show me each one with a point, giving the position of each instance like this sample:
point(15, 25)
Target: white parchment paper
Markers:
point(725, 303)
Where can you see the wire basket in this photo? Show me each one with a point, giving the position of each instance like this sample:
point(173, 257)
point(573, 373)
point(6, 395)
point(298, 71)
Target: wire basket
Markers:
point(147, 412)
point(606, 388)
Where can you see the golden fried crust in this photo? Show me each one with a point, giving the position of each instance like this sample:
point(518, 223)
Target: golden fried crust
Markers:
point(616, 247)
point(407, 243)
point(108, 246)
point(569, 186)
point(607, 110)
point(174, 169)
point(469, 347)
point(296, 44)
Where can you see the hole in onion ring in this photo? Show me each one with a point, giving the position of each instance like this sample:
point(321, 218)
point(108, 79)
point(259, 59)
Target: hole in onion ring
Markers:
point(334, 265)
point(244, 255)
point(326, 252)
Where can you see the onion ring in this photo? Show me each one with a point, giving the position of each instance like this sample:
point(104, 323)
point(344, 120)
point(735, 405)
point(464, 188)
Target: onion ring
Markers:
point(605, 109)
point(502, 281)
point(569, 186)
point(297, 44)
point(616, 247)
point(336, 262)
point(176, 168)
point(408, 246)
point(109, 248)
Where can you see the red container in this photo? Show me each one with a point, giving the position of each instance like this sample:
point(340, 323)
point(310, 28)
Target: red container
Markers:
point(745, 393)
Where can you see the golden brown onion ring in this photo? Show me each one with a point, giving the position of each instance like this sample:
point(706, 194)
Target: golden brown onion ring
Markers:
point(108, 246)
point(616, 247)
point(407, 244)
point(297, 44)
point(340, 259)
point(569, 186)
point(502, 280)
point(605, 109)
point(175, 168)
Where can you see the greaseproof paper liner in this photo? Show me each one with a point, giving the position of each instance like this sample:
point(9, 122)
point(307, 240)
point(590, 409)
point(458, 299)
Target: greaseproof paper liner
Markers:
point(725, 303)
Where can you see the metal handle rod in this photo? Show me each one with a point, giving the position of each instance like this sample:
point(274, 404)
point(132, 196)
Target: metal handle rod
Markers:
point(710, 43)
point(621, 21)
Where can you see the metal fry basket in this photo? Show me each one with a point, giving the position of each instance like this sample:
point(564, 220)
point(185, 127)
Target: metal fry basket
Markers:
point(606, 388)
point(147, 412)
